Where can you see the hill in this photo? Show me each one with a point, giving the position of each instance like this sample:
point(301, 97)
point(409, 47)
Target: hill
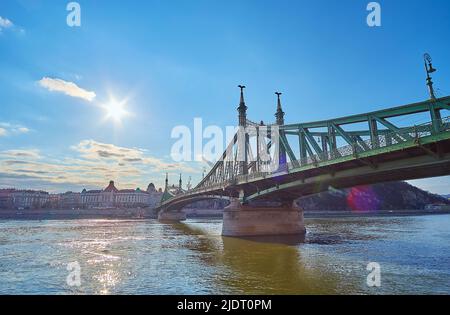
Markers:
point(383, 196)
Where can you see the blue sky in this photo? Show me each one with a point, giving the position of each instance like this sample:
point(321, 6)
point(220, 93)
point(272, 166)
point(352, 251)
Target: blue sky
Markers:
point(172, 61)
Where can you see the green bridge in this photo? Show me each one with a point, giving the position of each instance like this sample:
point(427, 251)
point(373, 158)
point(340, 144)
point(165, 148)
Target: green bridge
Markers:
point(267, 167)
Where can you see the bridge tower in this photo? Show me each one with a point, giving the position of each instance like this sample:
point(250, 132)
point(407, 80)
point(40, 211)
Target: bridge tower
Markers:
point(244, 139)
point(170, 216)
point(242, 109)
point(279, 115)
point(242, 219)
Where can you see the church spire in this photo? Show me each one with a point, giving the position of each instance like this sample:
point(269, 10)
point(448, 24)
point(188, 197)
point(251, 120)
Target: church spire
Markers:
point(167, 181)
point(242, 109)
point(180, 183)
point(279, 114)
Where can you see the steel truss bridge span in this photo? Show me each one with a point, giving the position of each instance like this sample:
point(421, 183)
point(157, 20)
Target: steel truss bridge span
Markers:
point(338, 153)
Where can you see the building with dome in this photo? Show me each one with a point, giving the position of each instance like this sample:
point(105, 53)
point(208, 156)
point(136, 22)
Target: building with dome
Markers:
point(154, 195)
point(111, 197)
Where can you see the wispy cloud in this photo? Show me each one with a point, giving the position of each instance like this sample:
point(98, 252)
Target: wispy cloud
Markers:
point(97, 151)
point(92, 166)
point(23, 130)
point(66, 87)
point(6, 23)
point(7, 128)
point(32, 154)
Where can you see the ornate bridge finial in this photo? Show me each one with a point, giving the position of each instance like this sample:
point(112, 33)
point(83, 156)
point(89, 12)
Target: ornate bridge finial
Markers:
point(242, 109)
point(279, 114)
point(242, 87)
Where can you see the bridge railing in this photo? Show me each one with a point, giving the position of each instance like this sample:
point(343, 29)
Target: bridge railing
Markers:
point(382, 141)
point(358, 147)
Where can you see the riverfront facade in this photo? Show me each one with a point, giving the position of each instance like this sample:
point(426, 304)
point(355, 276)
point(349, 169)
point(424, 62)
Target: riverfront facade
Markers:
point(22, 199)
point(110, 197)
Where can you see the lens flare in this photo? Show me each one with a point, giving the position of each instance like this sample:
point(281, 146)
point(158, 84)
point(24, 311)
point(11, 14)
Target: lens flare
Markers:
point(115, 110)
point(363, 199)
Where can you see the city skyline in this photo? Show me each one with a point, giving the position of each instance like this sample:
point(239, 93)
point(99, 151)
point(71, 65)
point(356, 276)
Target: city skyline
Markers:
point(82, 106)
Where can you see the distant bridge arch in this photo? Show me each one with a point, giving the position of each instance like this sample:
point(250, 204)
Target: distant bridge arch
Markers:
point(177, 204)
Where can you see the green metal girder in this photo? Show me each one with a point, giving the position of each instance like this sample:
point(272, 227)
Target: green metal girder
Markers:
point(306, 136)
point(288, 150)
point(392, 127)
point(360, 133)
point(321, 178)
point(445, 135)
point(343, 134)
point(396, 147)
point(362, 143)
point(310, 152)
point(441, 103)
point(302, 145)
point(223, 157)
point(312, 141)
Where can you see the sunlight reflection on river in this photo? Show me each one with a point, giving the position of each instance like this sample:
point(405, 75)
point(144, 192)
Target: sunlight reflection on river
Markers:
point(146, 257)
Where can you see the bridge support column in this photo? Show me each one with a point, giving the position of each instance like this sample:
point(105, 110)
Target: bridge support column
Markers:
point(242, 220)
point(171, 216)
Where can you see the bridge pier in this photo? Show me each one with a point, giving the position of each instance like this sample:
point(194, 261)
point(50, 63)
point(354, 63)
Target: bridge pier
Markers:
point(243, 220)
point(171, 216)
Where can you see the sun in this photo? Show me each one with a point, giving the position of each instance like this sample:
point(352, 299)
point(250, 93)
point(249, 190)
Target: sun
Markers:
point(115, 110)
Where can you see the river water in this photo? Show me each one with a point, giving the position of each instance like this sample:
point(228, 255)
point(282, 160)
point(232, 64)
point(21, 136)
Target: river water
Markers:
point(146, 257)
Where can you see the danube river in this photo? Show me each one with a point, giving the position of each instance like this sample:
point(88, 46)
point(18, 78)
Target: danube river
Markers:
point(146, 257)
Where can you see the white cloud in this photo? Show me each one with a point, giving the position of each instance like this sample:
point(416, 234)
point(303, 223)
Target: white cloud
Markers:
point(94, 164)
point(68, 88)
point(28, 154)
point(5, 23)
point(96, 151)
point(14, 129)
point(23, 130)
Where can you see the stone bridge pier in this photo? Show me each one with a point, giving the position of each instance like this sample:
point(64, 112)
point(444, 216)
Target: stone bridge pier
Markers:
point(248, 220)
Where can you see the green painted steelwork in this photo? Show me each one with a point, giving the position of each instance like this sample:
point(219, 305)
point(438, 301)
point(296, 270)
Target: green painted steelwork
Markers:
point(228, 172)
point(442, 103)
